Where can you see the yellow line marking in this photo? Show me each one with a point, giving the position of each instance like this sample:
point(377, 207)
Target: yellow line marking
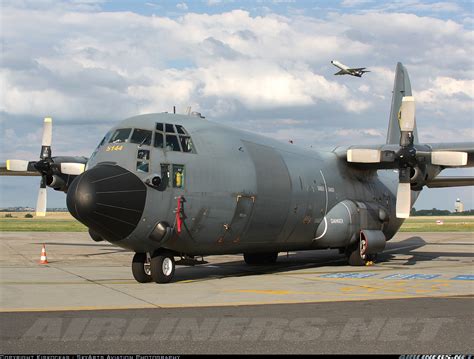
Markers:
point(8, 165)
point(261, 291)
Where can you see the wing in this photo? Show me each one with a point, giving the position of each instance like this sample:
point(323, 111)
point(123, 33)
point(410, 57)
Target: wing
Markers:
point(342, 72)
point(445, 181)
point(357, 69)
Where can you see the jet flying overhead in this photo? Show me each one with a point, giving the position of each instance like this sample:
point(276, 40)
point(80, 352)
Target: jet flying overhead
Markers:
point(173, 188)
point(346, 70)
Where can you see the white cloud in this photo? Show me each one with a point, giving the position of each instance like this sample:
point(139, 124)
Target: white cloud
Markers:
point(353, 3)
point(182, 6)
point(108, 65)
point(267, 73)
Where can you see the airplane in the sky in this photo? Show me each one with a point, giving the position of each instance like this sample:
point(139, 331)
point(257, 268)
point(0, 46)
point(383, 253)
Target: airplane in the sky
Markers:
point(170, 186)
point(346, 70)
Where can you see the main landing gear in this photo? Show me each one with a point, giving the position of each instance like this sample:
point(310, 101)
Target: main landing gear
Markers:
point(158, 268)
point(356, 253)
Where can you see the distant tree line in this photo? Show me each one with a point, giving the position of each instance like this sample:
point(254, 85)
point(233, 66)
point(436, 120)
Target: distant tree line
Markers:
point(439, 212)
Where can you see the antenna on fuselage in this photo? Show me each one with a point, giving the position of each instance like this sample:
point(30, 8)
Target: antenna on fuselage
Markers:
point(174, 109)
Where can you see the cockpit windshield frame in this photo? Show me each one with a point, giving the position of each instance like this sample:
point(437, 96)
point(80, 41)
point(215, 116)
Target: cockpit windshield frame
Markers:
point(173, 137)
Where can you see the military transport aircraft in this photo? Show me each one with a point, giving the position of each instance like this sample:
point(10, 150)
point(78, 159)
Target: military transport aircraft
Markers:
point(346, 70)
point(172, 186)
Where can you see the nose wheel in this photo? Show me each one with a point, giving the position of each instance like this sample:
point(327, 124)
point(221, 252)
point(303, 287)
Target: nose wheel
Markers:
point(162, 267)
point(141, 268)
point(159, 268)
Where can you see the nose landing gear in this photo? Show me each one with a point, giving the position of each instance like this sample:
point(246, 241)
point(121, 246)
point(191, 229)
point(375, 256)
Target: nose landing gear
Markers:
point(141, 268)
point(159, 268)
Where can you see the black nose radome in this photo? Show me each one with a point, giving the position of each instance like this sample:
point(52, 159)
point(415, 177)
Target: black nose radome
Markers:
point(109, 200)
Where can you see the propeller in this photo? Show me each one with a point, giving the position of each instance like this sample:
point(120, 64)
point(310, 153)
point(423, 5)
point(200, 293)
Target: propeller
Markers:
point(46, 166)
point(407, 157)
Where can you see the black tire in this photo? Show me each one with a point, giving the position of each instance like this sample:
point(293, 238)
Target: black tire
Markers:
point(354, 256)
point(140, 273)
point(162, 267)
point(260, 258)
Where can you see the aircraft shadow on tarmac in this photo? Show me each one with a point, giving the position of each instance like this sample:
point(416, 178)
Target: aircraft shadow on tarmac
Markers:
point(410, 246)
point(316, 259)
point(299, 260)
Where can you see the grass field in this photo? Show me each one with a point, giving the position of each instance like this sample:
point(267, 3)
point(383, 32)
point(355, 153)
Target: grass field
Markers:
point(428, 224)
point(64, 222)
point(53, 222)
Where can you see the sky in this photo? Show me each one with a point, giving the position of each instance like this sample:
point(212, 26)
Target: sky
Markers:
point(262, 65)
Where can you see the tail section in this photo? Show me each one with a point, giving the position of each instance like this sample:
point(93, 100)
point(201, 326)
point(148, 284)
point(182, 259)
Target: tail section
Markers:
point(417, 164)
point(401, 88)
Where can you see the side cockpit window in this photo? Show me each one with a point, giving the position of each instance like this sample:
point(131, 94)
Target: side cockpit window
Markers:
point(121, 135)
point(173, 138)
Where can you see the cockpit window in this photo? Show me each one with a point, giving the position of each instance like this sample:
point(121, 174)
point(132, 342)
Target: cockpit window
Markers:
point(186, 143)
point(120, 135)
point(181, 130)
point(169, 128)
point(158, 140)
point(172, 143)
point(173, 138)
point(105, 139)
point(142, 137)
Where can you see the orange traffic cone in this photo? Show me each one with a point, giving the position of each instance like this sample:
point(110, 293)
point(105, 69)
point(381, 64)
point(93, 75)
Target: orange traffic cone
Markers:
point(43, 259)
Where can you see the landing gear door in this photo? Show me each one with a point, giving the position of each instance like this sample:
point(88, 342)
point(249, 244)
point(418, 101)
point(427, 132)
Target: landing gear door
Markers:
point(240, 220)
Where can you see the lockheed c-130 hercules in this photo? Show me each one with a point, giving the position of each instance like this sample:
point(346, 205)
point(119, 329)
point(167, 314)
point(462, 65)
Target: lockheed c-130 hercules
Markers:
point(172, 186)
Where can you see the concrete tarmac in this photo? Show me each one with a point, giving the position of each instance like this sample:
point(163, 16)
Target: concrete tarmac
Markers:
point(419, 279)
point(419, 325)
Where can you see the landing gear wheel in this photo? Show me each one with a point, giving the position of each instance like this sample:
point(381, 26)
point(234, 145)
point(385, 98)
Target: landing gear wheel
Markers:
point(260, 258)
point(162, 267)
point(141, 268)
point(355, 253)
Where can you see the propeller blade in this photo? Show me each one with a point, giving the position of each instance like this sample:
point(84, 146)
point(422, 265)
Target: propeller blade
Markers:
point(42, 197)
point(47, 131)
point(17, 165)
point(407, 114)
point(449, 158)
point(403, 200)
point(47, 138)
point(363, 155)
point(74, 169)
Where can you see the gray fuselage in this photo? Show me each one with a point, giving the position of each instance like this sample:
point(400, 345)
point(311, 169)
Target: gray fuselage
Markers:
point(244, 192)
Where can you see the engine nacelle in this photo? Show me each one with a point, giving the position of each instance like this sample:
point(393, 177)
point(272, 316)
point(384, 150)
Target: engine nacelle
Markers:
point(57, 182)
point(347, 221)
point(60, 182)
